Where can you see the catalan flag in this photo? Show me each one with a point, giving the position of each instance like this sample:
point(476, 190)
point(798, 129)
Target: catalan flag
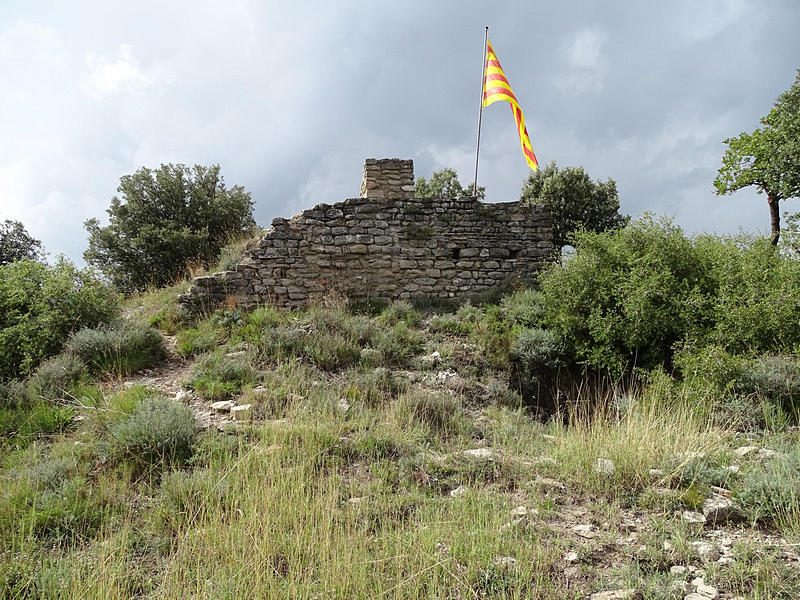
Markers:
point(497, 89)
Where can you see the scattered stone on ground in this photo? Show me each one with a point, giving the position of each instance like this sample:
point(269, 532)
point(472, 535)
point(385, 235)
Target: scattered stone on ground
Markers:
point(481, 453)
point(628, 594)
point(571, 557)
point(242, 412)
point(719, 509)
point(459, 491)
point(505, 562)
point(604, 466)
point(585, 531)
point(708, 553)
point(223, 406)
point(693, 518)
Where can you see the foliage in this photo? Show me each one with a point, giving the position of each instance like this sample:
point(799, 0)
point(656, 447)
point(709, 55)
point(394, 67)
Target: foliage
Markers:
point(218, 376)
point(16, 244)
point(57, 375)
point(444, 183)
point(574, 200)
point(41, 305)
point(768, 158)
point(628, 297)
point(159, 430)
point(164, 220)
point(120, 349)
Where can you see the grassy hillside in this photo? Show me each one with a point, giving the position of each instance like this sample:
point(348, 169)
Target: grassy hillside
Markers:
point(386, 453)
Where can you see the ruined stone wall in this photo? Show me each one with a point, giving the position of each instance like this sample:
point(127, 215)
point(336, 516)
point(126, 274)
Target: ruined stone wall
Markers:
point(385, 246)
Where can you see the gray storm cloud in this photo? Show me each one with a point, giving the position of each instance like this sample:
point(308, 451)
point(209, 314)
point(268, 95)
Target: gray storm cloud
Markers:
point(289, 99)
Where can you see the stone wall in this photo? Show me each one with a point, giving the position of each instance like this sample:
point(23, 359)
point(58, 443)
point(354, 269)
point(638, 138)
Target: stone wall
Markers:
point(385, 245)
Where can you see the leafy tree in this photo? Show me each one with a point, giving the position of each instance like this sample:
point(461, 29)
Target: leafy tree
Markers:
point(41, 305)
point(17, 244)
point(164, 220)
point(768, 158)
point(575, 201)
point(444, 183)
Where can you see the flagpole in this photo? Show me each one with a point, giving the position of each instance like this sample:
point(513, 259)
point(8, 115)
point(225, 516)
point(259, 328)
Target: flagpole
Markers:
point(480, 111)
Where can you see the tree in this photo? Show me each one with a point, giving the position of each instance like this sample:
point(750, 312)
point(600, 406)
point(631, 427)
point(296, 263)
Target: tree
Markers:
point(16, 244)
point(444, 183)
point(575, 201)
point(165, 220)
point(768, 158)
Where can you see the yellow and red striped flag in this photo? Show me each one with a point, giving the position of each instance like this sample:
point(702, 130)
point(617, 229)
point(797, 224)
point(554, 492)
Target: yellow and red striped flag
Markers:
point(497, 89)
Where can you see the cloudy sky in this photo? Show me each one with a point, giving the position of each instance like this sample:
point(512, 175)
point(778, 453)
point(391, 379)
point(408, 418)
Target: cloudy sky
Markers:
point(290, 97)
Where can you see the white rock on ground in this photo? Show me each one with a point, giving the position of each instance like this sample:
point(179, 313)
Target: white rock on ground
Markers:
point(585, 531)
point(629, 594)
point(223, 405)
point(459, 491)
point(708, 553)
point(719, 509)
point(693, 518)
point(241, 413)
point(184, 396)
point(604, 466)
point(481, 453)
point(571, 557)
point(743, 451)
point(678, 570)
point(505, 561)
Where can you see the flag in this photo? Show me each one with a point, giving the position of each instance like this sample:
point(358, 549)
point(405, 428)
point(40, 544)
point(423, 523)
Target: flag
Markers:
point(497, 89)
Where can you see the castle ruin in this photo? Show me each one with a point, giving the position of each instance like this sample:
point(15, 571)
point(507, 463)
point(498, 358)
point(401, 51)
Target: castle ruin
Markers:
point(385, 244)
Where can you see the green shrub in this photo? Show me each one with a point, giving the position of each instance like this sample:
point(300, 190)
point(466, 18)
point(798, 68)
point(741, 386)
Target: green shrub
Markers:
point(56, 376)
point(775, 378)
point(331, 352)
point(399, 345)
point(160, 430)
point(218, 376)
point(119, 350)
point(41, 305)
point(772, 492)
point(627, 298)
point(14, 394)
point(536, 350)
point(399, 311)
point(524, 308)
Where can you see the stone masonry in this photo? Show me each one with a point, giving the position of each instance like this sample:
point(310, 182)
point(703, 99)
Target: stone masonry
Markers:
point(385, 244)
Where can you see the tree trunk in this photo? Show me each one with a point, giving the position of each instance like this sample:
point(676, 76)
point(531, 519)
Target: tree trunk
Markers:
point(774, 216)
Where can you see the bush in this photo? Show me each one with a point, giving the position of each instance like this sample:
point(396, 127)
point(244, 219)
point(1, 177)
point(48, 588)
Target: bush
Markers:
point(775, 378)
point(41, 305)
point(524, 308)
point(160, 430)
point(537, 350)
point(122, 349)
point(628, 297)
point(399, 311)
point(56, 376)
point(166, 219)
point(218, 376)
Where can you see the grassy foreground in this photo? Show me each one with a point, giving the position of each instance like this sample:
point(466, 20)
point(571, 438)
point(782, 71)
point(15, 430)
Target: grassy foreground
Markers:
point(374, 468)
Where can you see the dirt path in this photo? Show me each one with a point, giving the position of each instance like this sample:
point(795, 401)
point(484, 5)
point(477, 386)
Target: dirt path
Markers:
point(168, 378)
